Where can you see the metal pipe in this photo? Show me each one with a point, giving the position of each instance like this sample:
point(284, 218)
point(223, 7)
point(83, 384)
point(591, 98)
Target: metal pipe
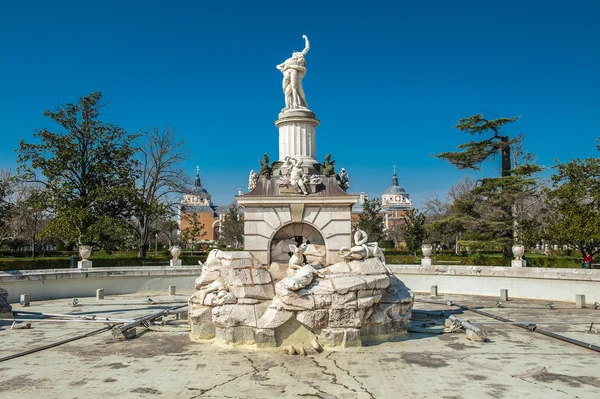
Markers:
point(69, 316)
point(64, 321)
point(41, 348)
point(118, 332)
point(529, 327)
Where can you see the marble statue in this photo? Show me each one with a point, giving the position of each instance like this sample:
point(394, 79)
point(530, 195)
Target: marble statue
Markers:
point(252, 180)
point(294, 69)
point(265, 169)
point(344, 181)
point(296, 176)
point(362, 249)
point(297, 258)
point(302, 278)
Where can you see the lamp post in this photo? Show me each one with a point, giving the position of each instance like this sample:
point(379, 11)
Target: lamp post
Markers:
point(155, 242)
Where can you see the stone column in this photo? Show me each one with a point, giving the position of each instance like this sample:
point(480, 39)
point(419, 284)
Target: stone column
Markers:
point(297, 135)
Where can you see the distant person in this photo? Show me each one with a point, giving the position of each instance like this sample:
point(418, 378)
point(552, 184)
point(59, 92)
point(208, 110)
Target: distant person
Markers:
point(587, 261)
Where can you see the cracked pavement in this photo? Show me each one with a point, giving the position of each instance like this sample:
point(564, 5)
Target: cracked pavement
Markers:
point(165, 363)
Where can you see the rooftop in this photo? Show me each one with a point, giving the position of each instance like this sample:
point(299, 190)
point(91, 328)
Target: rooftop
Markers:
point(163, 361)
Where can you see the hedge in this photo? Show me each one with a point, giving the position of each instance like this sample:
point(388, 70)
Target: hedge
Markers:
point(64, 263)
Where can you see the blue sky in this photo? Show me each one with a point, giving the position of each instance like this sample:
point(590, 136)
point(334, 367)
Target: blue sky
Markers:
point(388, 80)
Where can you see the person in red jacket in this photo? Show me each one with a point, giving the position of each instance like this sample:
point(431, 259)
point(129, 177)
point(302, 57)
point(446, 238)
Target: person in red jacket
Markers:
point(587, 261)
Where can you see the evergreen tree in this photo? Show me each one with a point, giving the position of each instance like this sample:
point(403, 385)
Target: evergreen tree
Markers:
point(414, 230)
point(489, 214)
point(371, 220)
point(573, 205)
point(232, 228)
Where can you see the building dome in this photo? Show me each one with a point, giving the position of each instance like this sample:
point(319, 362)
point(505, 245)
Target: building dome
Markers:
point(395, 189)
point(395, 196)
point(197, 194)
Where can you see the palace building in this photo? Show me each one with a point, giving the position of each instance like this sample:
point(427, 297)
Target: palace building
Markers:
point(396, 202)
point(197, 203)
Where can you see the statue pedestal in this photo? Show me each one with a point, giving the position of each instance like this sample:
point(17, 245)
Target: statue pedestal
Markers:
point(84, 264)
point(518, 263)
point(297, 135)
point(426, 262)
point(175, 262)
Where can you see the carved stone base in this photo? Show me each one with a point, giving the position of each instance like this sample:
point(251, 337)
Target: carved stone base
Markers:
point(175, 262)
point(518, 263)
point(84, 264)
point(426, 262)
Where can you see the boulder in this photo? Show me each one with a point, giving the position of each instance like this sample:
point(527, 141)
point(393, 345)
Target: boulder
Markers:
point(316, 319)
point(367, 266)
point(273, 318)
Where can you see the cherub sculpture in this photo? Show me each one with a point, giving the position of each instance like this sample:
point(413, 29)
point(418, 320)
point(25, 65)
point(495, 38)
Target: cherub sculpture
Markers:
point(296, 176)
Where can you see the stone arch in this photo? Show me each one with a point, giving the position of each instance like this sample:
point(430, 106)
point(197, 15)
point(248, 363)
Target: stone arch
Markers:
point(297, 233)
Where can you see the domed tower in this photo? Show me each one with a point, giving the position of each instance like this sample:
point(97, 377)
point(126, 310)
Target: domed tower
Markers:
point(396, 202)
point(197, 207)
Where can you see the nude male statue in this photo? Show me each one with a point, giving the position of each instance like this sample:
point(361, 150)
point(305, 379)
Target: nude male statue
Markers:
point(294, 69)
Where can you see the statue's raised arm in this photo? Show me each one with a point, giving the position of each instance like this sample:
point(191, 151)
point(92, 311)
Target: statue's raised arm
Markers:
point(306, 45)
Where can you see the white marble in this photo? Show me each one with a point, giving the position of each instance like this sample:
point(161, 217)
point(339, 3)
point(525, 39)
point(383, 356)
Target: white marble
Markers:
point(294, 70)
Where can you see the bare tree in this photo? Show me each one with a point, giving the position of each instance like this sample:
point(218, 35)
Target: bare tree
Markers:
point(29, 215)
point(5, 203)
point(161, 156)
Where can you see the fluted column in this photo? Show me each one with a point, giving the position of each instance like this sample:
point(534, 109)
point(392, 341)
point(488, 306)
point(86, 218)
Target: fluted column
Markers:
point(297, 134)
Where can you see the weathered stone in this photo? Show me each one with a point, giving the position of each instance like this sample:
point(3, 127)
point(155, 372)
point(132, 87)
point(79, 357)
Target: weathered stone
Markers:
point(262, 291)
point(315, 319)
point(338, 268)
point(315, 253)
point(209, 299)
point(398, 290)
point(247, 301)
point(278, 270)
point(332, 336)
point(273, 318)
point(388, 298)
point(220, 333)
point(378, 281)
point(344, 283)
point(240, 335)
point(201, 324)
point(265, 338)
point(197, 297)
point(237, 277)
point(346, 317)
point(234, 315)
point(321, 287)
point(368, 301)
point(351, 338)
point(236, 263)
point(293, 301)
point(209, 274)
point(260, 276)
point(344, 301)
point(233, 255)
point(322, 301)
point(367, 266)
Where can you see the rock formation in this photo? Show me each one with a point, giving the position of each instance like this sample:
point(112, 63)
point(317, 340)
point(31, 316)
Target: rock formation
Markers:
point(240, 302)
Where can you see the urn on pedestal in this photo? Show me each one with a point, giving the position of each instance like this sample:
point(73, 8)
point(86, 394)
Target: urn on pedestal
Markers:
point(175, 252)
point(85, 251)
point(518, 251)
point(426, 249)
